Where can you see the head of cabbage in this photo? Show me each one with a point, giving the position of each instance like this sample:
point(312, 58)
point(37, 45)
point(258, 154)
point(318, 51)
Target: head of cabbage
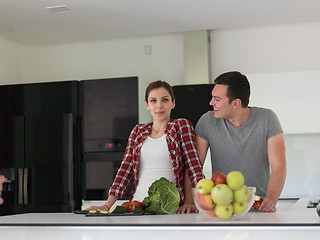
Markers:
point(163, 197)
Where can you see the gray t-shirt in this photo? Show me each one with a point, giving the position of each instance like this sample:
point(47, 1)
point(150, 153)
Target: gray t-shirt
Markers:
point(242, 149)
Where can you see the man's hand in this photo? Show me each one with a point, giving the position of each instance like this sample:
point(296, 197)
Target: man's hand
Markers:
point(268, 205)
point(187, 208)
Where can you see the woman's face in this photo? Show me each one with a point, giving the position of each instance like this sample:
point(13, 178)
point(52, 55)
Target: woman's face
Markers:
point(160, 104)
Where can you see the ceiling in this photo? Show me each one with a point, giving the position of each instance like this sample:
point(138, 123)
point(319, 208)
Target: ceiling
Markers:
point(28, 21)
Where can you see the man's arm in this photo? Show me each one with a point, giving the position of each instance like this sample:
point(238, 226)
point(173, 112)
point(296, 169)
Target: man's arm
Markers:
point(202, 148)
point(277, 161)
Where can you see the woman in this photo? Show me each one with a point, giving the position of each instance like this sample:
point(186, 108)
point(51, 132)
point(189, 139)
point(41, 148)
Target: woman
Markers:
point(163, 148)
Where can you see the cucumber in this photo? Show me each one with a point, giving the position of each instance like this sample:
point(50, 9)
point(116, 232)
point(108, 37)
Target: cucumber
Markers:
point(104, 211)
point(93, 211)
point(119, 209)
point(137, 209)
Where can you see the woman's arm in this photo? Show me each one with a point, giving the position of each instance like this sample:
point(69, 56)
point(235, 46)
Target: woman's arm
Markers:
point(107, 206)
point(123, 176)
point(189, 203)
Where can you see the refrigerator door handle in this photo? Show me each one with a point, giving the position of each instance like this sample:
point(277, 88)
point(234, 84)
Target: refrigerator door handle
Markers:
point(25, 186)
point(20, 185)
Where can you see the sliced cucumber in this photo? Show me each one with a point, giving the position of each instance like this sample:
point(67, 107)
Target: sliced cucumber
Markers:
point(119, 209)
point(103, 211)
point(93, 211)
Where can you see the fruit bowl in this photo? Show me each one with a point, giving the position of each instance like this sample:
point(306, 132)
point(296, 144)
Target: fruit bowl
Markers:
point(205, 201)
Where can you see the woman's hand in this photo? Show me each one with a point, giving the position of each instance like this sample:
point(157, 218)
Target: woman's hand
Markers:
point(188, 208)
point(103, 207)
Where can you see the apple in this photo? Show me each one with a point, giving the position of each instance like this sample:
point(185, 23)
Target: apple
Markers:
point(222, 194)
point(257, 202)
point(224, 211)
point(204, 201)
point(219, 178)
point(204, 186)
point(239, 207)
point(211, 212)
point(235, 180)
point(242, 194)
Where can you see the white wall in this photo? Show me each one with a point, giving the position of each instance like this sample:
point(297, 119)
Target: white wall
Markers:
point(104, 59)
point(279, 51)
point(10, 61)
point(265, 49)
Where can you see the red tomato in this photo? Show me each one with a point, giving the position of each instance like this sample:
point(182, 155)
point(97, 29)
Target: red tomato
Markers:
point(135, 203)
point(126, 204)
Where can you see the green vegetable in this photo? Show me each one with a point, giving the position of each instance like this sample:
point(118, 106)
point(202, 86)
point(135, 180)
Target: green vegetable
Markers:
point(93, 211)
point(119, 209)
point(163, 197)
point(104, 211)
point(137, 209)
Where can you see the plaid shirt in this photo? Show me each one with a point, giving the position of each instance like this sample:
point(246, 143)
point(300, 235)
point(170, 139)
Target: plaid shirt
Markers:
point(181, 145)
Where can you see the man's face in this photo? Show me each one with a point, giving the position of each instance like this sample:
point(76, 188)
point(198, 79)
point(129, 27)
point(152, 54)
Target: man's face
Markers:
point(220, 102)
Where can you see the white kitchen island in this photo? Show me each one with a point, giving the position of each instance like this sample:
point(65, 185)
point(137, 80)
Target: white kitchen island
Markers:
point(293, 220)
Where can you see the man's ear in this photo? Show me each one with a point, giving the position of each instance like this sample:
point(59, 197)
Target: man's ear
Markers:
point(236, 103)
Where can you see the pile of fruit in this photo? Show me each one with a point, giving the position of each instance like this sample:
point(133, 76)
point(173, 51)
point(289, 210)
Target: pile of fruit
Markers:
point(223, 195)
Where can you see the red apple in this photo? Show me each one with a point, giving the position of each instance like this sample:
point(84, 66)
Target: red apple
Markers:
point(219, 178)
point(211, 213)
point(257, 202)
point(204, 201)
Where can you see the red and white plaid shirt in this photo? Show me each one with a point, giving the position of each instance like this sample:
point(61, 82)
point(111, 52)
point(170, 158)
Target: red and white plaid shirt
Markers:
point(180, 139)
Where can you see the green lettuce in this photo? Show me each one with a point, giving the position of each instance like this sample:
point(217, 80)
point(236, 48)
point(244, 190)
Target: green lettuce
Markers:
point(163, 197)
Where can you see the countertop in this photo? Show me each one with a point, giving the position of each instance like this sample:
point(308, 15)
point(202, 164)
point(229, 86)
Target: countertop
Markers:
point(293, 220)
point(289, 212)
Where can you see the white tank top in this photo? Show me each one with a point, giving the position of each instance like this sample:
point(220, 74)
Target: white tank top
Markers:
point(154, 163)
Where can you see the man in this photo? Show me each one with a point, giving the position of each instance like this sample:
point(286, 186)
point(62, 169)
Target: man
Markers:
point(242, 138)
point(2, 179)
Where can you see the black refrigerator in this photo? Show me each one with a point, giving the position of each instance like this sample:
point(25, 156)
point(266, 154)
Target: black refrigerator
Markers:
point(40, 147)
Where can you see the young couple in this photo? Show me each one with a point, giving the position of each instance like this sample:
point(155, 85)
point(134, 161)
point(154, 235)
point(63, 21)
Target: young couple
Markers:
point(243, 138)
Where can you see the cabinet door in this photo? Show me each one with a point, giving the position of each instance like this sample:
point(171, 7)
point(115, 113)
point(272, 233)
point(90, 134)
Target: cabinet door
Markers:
point(192, 101)
point(11, 141)
point(110, 111)
point(49, 162)
point(51, 98)
point(11, 162)
point(11, 100)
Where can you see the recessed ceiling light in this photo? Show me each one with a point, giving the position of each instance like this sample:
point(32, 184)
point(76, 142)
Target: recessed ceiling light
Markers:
point(59, 9)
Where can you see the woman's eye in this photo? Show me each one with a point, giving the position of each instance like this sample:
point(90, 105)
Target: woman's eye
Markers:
point(165, 99)
point(153, 100)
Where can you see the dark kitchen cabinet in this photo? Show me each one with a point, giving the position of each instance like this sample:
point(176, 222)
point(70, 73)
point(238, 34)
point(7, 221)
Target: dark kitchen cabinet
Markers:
point(40, 147)
point(61, 142)
point(192, 101)
point(110, 110)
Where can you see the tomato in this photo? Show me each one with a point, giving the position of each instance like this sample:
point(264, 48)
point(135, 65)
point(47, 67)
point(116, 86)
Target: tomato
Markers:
point(126, 204)
point(135, 203)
